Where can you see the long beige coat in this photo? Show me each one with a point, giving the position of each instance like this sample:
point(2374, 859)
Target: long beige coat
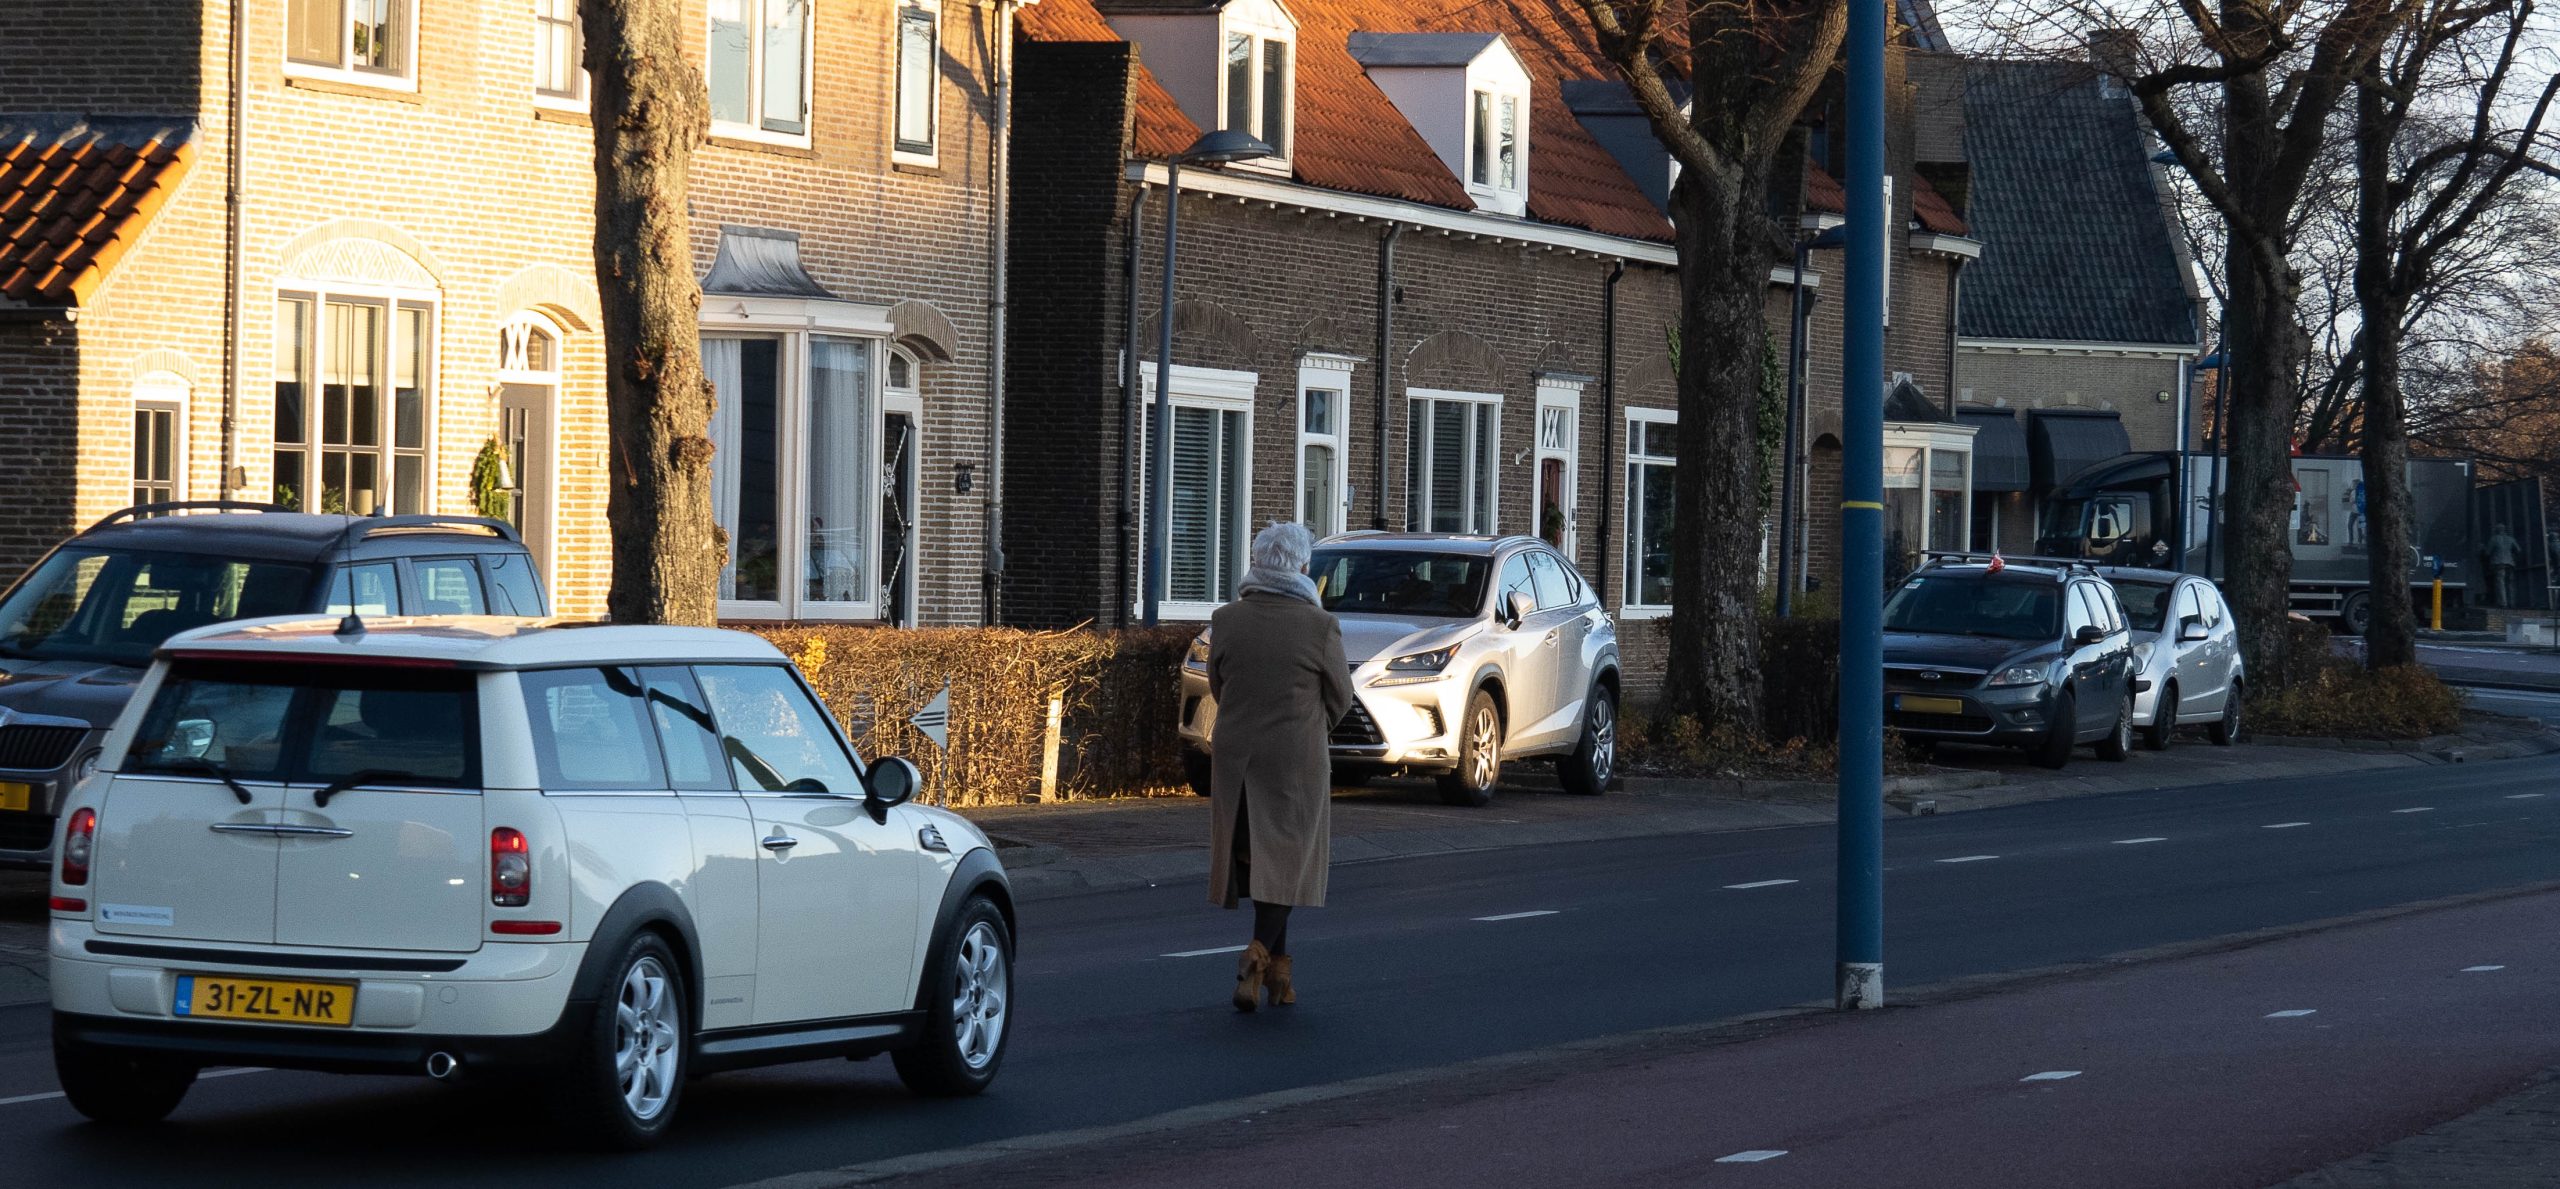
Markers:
point(1276, 670)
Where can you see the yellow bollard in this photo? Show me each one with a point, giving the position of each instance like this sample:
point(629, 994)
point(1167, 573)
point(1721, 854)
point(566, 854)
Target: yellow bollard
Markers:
point(2437, 619)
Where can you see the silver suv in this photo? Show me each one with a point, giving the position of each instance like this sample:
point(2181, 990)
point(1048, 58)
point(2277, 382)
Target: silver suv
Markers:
point(1464, 652)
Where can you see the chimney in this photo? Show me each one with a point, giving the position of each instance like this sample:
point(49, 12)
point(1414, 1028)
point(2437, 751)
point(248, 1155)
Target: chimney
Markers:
point(2117, 54)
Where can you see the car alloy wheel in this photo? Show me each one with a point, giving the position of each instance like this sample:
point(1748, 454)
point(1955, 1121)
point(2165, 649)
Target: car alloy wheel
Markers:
point(1484, 747)
point(978, 997)
point(1604, 739)
point(648, 1035)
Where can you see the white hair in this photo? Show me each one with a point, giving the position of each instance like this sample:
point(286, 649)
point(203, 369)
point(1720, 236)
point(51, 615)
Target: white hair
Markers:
point(1284, 547)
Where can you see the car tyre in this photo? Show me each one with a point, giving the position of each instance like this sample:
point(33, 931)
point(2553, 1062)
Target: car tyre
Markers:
point(119, 1088)
point(1197, 771)
point(2164, 719)
point(1479, 754)
point(1594, 761)
point(1353, 776)
point(2119, 741)
point(968, 1006)
point(2226, 730)
point(2054, 750)
point(624, 1080)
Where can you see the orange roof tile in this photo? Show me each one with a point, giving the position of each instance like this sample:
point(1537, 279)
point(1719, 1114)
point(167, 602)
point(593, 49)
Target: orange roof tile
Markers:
point(75, 195)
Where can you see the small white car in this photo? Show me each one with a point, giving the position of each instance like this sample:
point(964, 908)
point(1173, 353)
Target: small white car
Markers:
point(603, 857)
point(2186, 655)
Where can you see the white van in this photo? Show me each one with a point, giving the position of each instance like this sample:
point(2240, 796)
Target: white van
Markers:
point(609, 857)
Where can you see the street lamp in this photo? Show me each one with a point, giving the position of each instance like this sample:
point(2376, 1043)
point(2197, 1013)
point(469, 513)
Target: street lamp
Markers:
point(1222, 147)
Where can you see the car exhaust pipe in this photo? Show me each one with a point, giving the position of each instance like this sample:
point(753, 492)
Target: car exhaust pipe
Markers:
point(443, 1065)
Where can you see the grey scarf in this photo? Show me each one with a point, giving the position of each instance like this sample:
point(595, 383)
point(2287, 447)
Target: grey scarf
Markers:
point(1289, 583)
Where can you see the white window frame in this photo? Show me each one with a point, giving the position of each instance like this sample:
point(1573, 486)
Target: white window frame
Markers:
point(1218, 390)
point(1326, 373)
point(754, 129)
point(931, 154)
point(1557, 394)
point(574, 99)
point(515, 367)
point(1418, 461)
point(1502, 79)
point(1932, 441)
point(794, 323)
point(1628, 607)
point(405, 16)
point(391, 298)
point(167, 392)
point(1233, 22)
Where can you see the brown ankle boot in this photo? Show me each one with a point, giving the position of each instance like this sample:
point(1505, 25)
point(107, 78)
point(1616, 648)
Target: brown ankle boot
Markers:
point(1275, 981)
point(1249, 975)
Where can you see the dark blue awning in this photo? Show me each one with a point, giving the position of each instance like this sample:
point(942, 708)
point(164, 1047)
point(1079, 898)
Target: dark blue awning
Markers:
point(2063, 442)
point(1999, 448)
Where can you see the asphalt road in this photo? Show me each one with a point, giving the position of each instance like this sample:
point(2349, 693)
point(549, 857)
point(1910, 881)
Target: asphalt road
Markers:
point(1405, 971)
point(2533, 704)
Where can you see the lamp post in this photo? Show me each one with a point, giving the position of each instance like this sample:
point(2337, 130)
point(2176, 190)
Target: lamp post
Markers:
point(1787, 533)
point(1222, 147)
point(1859, 973)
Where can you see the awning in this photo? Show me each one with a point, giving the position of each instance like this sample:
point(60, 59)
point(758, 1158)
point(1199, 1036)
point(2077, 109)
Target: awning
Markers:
point(1999, 448)
point(2061, 442)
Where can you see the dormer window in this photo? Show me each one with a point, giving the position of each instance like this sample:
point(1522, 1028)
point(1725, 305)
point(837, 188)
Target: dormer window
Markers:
point(1257, 88)
point(1496, 156)
point(1468, 95)
point(1230, 64)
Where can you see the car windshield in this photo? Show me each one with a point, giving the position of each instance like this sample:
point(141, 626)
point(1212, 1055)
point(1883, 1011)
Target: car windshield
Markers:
point(1416, 582)
point(118, 605)
point(2146, 604)
point(2009, 608)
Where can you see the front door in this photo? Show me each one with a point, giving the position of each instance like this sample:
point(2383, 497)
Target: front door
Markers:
point(898, 520)
point(524, 435)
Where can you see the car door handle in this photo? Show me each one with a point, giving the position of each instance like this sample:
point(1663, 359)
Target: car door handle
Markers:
point(1551, 637)
point(780, 842)
point(281, 830)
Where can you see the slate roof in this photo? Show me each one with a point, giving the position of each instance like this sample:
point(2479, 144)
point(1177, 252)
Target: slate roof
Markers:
point(74, 197)
point(2077, 245)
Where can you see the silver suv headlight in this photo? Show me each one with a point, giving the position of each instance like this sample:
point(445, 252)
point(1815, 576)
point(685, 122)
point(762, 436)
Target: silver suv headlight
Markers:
point(2018, 675)
point(1417, 667)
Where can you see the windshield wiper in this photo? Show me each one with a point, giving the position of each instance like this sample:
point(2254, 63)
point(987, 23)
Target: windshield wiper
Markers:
point(217, 771)
point(368, 776)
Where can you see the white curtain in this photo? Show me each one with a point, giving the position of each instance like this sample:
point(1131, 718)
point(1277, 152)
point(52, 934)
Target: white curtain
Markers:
point(720, 364)
point(841, 472)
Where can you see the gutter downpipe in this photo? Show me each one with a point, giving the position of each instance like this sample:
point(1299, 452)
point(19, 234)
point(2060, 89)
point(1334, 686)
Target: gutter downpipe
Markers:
point(234, 219)
point(1609, 461)
point(1789, 446)
point(1129, 418)
point(1386, 361)
point(992, 580)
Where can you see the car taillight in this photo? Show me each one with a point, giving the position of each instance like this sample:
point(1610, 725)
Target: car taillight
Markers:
point(79, 842)
point(510, 869)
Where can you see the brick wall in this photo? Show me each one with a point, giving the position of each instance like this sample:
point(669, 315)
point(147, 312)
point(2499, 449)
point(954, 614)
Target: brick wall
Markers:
point(39, 424)
point(2128, 383)
point(85, 57)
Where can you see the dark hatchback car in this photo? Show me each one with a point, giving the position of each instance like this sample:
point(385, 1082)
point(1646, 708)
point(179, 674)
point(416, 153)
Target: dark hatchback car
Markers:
point(77, 631)
point(2031, 655)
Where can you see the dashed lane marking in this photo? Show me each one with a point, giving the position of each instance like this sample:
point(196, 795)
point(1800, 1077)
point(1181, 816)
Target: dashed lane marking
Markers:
point(2291, 1013)
point(2480, 969)
point(2416, 809)
point(1754, 1156)
point(2137, 841)
point(2522, 796)
point(1224, 949)
point(2284, 825)
point(1969, 859)
point(1758, 883)
point(210, 1073)
point(1521, 916)
point(2051, 1075)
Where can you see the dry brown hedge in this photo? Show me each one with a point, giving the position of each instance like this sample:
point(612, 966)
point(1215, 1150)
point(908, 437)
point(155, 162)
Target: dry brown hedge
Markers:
point(1119, 693)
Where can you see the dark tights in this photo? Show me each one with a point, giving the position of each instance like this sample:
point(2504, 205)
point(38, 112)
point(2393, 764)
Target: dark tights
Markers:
point(1270, 921)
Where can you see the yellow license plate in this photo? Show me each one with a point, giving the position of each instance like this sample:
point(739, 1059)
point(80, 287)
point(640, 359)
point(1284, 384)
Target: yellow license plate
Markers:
point(1910, 704)
point(15, 796)
point(271, 1001)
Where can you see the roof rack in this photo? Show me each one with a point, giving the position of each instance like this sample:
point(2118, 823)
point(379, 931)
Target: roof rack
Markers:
point(362, 527)
point(1949, 557)
point(146, 511)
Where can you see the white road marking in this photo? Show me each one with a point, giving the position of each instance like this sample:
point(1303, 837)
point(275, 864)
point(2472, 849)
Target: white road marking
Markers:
point(2416, 809)
point(1224, 949)
point(2293, 1013)
point(2522, 796)
point(1968, 858)
point(2284, 825)
point(2051, 1075)
point(1762, 883)
point(2137, 841)
point(1754, 1156)
point(1522, 916)
point(210, 1073)
point(2480, 969)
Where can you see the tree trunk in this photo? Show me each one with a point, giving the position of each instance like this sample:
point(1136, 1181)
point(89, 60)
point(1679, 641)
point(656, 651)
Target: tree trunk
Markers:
point(649, 110)
point(1726, 251)
point(2263, 345)
point(2393, 637)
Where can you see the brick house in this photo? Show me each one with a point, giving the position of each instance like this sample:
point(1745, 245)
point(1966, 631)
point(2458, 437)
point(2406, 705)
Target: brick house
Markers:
point(2079, 327)
point(409, 277)
point(1444, 305)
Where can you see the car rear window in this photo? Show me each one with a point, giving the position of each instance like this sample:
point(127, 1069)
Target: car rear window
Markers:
point(279, 721)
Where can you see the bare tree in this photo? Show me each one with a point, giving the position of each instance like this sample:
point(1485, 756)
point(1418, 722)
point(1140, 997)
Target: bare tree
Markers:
point(1754, 66)
point(649, 111)
point(2414, 202)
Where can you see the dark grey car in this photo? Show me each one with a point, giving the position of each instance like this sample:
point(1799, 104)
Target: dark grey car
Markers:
point(78, 629)
point(2037, 656)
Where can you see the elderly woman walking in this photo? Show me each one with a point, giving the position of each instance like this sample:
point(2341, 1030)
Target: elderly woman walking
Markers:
point(1277, 672)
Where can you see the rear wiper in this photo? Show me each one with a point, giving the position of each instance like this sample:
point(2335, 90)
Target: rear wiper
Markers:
point(217, 771)
point(368, 776)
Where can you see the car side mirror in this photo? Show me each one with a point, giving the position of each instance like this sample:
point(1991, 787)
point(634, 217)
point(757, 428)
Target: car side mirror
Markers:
point(2089, 634)
point(2191, 631)
point(1519, 605)
point(890, 783)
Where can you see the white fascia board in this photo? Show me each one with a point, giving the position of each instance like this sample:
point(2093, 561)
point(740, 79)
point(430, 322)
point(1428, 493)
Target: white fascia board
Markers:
point(2075, 347)
point(1946, 245)
point(1273, 192)
point(1784, 275)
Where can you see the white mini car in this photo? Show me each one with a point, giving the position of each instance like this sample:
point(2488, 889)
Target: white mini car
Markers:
point(605, 857)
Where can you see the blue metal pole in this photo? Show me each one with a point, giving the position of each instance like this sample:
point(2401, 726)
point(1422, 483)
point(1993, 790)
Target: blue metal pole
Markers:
point(1861, 863)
